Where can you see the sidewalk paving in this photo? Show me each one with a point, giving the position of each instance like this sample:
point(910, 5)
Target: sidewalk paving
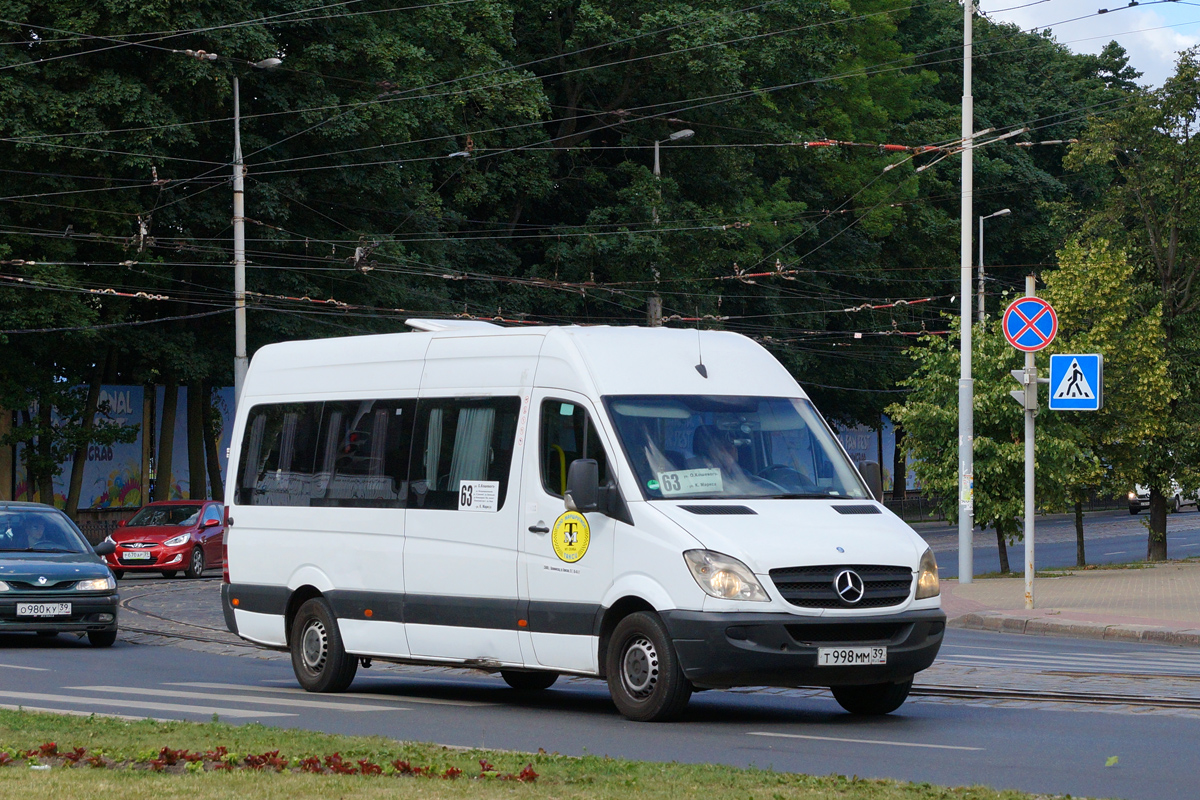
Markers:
point(1157, 604)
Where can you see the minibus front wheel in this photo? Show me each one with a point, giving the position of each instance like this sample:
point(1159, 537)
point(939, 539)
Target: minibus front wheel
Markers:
point(874, 699)
point(644, 677)
point(319, 660)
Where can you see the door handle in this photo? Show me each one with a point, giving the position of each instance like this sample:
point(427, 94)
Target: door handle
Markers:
point(538, 529)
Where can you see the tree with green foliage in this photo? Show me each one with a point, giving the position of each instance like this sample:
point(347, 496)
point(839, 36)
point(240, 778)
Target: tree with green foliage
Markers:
point(929, 414)
point(1146, 203)
point(1102, 310)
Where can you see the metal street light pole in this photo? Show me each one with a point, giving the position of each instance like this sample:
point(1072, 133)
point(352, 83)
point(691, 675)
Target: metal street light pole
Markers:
point(654, 303)
point(240, 362)
point(1001, 213)
point(966, 388)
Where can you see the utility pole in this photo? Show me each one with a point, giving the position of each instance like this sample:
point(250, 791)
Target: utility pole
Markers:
point(240, 362)
point(966, 388)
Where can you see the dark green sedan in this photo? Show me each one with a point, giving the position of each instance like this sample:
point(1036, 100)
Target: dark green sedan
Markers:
point(51, 580)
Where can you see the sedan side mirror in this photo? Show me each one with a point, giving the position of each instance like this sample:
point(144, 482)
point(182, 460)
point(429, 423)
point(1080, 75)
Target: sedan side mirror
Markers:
point(208, 523)
point(121, 524)
point(105, 548)
point(583, 485)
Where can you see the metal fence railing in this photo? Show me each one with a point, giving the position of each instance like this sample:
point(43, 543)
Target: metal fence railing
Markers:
point(918, 508)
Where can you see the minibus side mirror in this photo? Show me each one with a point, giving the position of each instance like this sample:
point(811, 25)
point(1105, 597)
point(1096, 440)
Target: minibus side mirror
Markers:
point(874, 478)
point(583, 485)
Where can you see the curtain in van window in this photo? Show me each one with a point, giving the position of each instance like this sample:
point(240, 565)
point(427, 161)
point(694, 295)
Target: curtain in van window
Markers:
point(472, 446)
point(252, 459)
point(433, 448)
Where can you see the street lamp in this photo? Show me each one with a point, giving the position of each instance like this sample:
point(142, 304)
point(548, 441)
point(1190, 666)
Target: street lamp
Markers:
point(240, 362)
point(1004, 212)
point(654, 303)
point(677, 136)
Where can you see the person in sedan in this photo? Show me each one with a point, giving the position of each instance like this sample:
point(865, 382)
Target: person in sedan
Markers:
point(37, 537)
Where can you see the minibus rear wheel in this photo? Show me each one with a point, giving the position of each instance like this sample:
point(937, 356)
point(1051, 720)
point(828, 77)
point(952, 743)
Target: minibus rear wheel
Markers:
point(872, 700)
point(644, 677)
point(318, 657)
point(528, 681)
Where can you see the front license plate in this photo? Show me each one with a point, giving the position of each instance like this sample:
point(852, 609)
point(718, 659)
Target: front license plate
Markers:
point(850, 656)
point(43, 609)
point(143, 555)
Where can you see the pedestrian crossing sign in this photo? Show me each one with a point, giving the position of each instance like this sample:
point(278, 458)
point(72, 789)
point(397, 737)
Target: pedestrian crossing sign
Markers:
point(1076, 382)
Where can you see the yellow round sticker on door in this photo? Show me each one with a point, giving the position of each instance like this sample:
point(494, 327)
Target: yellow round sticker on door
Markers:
point(571, 536)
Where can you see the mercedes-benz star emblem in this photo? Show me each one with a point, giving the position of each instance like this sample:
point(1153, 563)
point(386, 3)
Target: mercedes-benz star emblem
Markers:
point(849, 586)
point(42, 581)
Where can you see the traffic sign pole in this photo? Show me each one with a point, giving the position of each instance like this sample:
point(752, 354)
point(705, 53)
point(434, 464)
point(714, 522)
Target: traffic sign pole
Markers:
point(1031, 383)
point(1029, 324)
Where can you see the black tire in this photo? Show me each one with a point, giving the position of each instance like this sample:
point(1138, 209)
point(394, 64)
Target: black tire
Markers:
point(873, 700)
point(319, 660)
point(644, 676)
point(195, 564)
point(528, 681)
point(1133, 510)
point(118, 573)
point(47, 634)
point(1178, 504)
point(102, 638)
point(169, 573)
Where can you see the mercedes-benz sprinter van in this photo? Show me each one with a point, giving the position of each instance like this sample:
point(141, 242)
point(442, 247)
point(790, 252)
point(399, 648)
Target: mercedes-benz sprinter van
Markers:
point(660, 508)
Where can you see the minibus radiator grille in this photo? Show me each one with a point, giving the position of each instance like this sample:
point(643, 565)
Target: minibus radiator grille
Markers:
point(812, 587)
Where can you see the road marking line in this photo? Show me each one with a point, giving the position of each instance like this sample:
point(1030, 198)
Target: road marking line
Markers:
point(360, 695)
point(297, 703)
point(861, 741)
point(207, 711)
point(74, 712)
point(31, 669)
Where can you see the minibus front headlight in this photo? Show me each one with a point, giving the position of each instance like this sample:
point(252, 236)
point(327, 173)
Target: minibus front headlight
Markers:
point(724, 577)
point(927, 577)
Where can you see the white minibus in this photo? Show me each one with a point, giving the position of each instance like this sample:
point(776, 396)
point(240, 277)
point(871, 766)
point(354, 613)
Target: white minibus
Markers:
point(661, 508)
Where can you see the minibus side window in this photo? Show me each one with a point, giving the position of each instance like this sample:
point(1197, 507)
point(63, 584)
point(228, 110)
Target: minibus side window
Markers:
point(458, 440)
point(363, 455)
point(277, 454)
point(567, 433)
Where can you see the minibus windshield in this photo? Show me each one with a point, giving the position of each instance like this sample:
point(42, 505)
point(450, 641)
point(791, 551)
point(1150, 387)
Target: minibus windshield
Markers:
point(695, 446)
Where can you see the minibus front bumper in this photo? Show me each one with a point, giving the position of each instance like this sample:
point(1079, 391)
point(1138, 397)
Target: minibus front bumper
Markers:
point(722, 650)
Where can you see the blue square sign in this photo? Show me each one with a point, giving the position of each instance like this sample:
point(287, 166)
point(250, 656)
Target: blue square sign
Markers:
point(1077, 382)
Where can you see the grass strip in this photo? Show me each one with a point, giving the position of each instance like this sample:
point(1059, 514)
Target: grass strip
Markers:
point(559, 777)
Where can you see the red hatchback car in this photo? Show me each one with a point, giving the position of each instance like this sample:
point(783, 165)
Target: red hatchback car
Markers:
point(170, 536)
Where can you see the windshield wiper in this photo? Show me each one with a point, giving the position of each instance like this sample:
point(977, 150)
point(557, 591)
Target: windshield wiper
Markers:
point(801, 496)
point(41, 550)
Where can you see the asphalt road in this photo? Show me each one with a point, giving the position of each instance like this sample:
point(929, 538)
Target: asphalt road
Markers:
point(1110, 537)
point(1053, 748)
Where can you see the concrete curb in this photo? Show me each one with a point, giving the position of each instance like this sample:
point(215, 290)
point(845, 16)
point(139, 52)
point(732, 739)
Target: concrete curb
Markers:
point(1043, 626)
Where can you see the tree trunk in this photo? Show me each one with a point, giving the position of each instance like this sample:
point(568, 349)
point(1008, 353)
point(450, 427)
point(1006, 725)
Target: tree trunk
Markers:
point(1002, 546)
point(197, 476)
point(45, 473)
point(79, 462)
point(899, 466)
point(1156, 546)
point(166, 442)
point(1080, 558)
point(212, 437)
